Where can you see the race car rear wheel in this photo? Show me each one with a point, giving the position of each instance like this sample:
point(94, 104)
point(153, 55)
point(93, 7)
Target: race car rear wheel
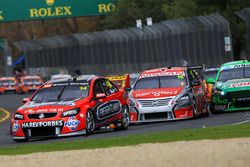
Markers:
point(90, 122)
point(125, 119)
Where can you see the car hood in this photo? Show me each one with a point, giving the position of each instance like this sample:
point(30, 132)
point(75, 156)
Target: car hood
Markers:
point(43, 107)
point(156, 93)
point(234, 85)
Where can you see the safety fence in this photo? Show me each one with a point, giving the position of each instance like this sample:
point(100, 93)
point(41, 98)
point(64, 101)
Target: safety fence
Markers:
point(198, 40)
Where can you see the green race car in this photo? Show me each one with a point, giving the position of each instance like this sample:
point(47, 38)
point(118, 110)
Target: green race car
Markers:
point(232, 87)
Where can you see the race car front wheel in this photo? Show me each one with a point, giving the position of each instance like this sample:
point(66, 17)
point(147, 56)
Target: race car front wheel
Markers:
point(90, 122)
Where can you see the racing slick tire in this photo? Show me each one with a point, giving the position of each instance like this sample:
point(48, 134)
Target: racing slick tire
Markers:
point(212, 109)
point(125, 119)
point(90, 122)
point(206, 108)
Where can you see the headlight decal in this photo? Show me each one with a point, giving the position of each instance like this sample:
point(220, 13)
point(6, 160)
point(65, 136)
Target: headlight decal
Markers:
point(70, 113)
point(183, 101)
point(18, 116)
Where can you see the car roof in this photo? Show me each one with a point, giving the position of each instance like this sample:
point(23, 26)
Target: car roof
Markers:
point(163, 72)
point(83, 78)
point(236, 62)
point(7, 78)
point(211, 69)
point(31, 77)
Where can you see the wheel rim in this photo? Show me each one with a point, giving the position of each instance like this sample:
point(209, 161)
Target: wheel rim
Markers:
point(90, 125)
point(125, 117)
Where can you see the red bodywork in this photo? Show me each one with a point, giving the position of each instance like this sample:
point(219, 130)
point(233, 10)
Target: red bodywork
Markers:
point(71, 125)
point(8, 84)
point(30, 83)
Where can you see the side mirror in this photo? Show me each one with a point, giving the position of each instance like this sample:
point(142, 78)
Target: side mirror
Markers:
point(210, 80)
point(100, 95)
point(128, 89)
point(25, 100)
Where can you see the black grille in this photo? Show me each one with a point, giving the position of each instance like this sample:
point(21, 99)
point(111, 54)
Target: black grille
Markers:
point(43, 132)
point(161, 115)
point(239, 94)
point(46, 115)
point(242, 104)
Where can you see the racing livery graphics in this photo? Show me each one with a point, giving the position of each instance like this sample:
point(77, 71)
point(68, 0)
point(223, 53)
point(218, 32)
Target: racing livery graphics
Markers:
point(30, 83)
point(168, 94)
point(232, 87)
point(71, 107)
point(8, 84)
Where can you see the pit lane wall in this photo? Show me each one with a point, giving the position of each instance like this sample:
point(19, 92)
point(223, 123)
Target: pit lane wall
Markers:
point(201, 39)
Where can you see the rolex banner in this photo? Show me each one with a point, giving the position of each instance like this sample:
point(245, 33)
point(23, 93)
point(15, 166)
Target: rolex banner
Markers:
point(16, 10)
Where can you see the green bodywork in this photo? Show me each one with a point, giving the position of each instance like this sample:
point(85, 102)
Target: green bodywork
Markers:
point(233, 94)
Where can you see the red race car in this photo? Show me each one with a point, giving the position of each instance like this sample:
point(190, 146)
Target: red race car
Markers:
point(8, 84)
point(71, 107)
point(30, 83)
point(168, 94)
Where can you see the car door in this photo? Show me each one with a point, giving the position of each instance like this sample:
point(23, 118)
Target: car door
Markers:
point(108, 105)
point(196, 86)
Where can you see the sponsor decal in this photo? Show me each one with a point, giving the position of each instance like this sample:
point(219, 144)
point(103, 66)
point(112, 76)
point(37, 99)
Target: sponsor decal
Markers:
point(108, 109)
point(42, 124)
point(241, 84)
point(15, 126)
point(243, 99)
point(72, 123)
point(156, 94)
point(44, 110)
point(241, 65)
point(163, 73)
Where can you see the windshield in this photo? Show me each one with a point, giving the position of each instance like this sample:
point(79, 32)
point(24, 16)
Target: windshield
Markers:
point(59, 93)
point(31, 80)
point(210, 74)
point(7, 81)
point(160, 82)
point(234, 73)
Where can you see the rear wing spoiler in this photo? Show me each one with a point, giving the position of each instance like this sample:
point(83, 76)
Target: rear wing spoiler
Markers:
point(197, 67)
point(122, 81)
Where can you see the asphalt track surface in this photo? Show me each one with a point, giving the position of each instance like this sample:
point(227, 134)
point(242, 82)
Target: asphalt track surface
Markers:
point(11, 102)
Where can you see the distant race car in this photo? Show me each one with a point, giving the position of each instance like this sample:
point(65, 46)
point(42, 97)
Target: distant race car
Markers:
point(171, 93)
point(71, 107)
point(30, 83)
point(232, 87)
point(208, 74)
point(8, 84)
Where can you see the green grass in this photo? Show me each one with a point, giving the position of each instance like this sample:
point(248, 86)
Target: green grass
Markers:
point(232, 131)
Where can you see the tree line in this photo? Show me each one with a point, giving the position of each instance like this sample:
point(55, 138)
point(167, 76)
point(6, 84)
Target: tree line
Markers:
point(128, 11)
